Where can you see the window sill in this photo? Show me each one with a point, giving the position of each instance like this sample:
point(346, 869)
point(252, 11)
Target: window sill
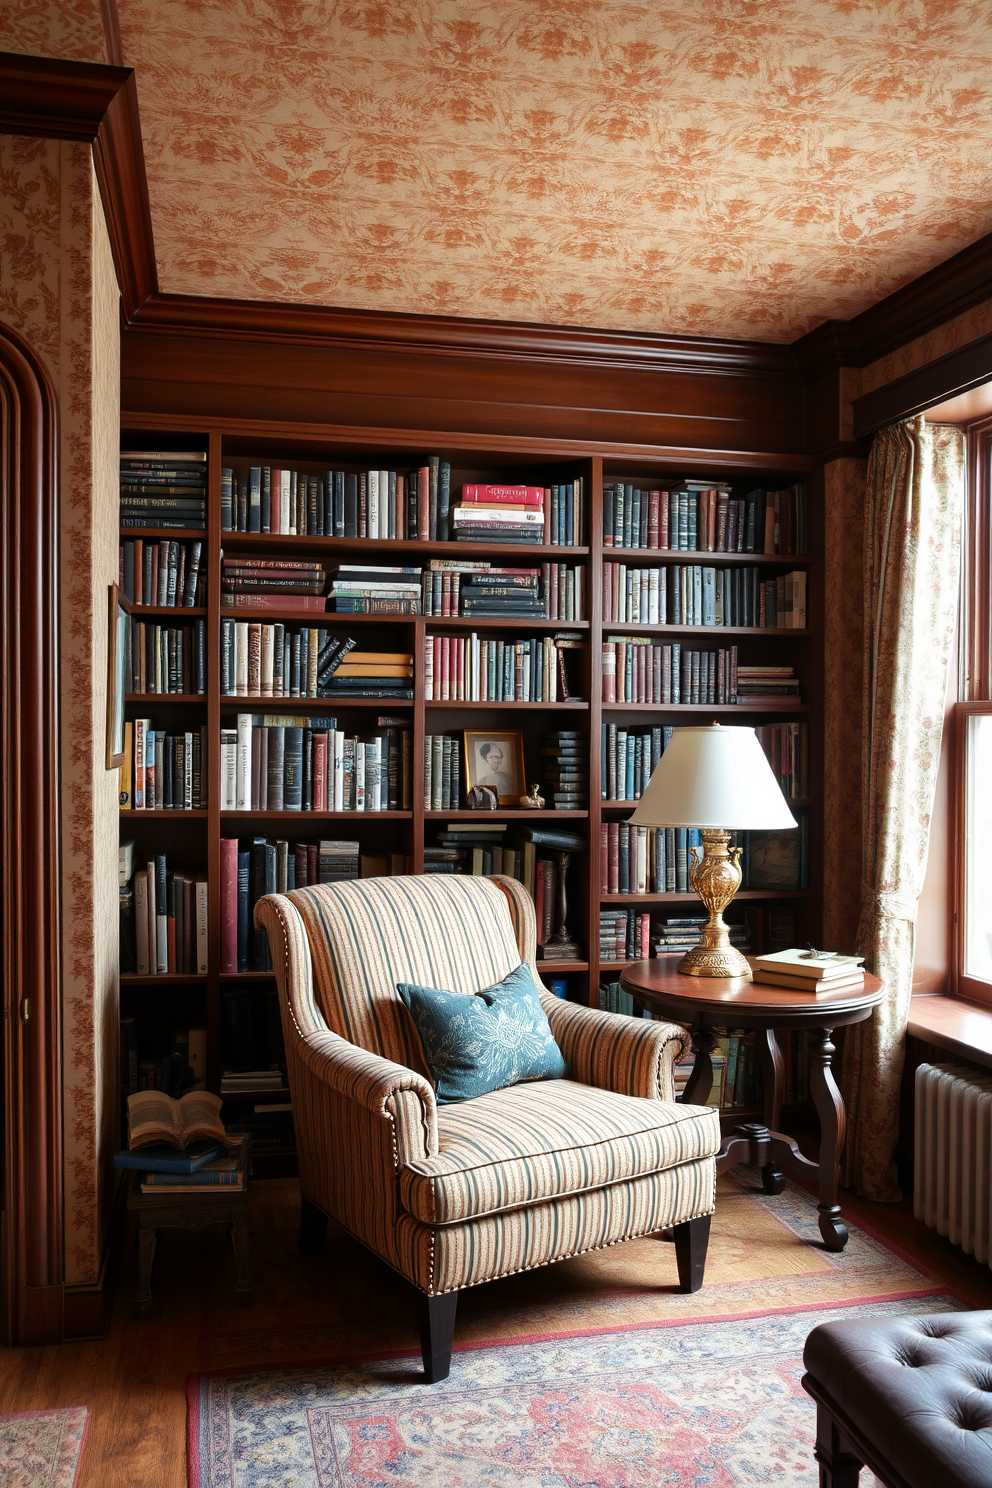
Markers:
point(963, 1028)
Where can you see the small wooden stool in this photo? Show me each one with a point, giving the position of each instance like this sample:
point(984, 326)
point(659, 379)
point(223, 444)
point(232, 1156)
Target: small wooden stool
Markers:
point(189, 1211)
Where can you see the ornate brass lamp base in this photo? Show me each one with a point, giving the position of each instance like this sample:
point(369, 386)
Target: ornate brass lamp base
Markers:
point(715, 877)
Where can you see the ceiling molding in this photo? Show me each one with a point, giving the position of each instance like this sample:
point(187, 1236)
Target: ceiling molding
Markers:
point(947, 377)
point(96, 105)
point(926, 302)
point(257, 320)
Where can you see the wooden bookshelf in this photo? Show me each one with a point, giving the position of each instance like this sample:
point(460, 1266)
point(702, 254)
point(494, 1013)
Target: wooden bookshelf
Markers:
point(192, 839)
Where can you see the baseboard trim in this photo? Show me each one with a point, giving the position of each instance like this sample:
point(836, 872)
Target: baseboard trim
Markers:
point(86, 1311)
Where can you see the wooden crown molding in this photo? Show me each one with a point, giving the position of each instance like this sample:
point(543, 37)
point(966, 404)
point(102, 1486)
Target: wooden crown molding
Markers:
point(30, 903)
point(935, 382)
point(97, 105)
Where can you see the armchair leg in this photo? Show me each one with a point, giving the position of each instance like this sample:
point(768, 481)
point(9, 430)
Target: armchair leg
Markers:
point(437, 1329)
point(313, 1228)
point(691, 1240)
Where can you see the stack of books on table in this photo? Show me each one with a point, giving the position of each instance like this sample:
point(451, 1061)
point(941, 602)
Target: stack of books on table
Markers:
point(181, 1146)
point(362, 590)
point(767, 684)
point(804, 972)
point(272, 584)
point(163, 488)
point(500, 514)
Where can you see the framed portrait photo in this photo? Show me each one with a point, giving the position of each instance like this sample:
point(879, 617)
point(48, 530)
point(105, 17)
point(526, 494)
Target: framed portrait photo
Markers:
point(495, 758)
point(116, 657)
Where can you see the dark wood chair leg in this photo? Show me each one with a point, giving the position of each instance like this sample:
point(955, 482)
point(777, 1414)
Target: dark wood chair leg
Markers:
point(691, 1240)
point(313, 1228)
point(437, 1329)
point(839, 1468)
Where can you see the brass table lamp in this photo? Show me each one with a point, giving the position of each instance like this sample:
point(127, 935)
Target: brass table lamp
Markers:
point(717, 780)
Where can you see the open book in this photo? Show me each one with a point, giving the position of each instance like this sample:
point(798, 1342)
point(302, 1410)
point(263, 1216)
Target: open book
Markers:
point(155, 1117)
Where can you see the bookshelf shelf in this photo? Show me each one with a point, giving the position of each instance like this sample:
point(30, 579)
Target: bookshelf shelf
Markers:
point(736, 708)
point(192, 840)
point(742, 896)
point(649, 556)
point(139, 813)
point(257, 1093)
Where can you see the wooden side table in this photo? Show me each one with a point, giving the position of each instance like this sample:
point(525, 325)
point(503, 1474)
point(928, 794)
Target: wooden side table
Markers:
point(189, 1211)
point(706, 1004)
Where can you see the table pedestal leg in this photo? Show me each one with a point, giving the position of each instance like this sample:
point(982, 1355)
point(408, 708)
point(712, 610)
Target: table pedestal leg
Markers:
point(146, 1259)
point(771, 1065)
point(700, 1082)
point(830, 1110)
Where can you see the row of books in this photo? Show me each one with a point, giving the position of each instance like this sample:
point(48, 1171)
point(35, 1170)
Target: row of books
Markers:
point(787, 748)
point(565, 768)
point(520, 514)
point(630, 755)
point(639, 670)
point(163, 488)
point(162, 771)
point(375, 591)
point(165, 572)
point(480, 848)
point(164, 921)
point(696, 594)
point(613, 999)
point(180, 1067)
point(656, 860)
point(737, 1074)
point(273, 763)
point(553, 591)
point(165, 658)
point(252, 1052)
point(475, 668)
point(275, 660)
point(443, 789)
point(703, 516)
point(636, 935)
point(338, 503)
point(767, 684)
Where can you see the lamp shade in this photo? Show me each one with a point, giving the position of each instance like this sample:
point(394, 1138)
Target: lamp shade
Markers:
point(713, 777)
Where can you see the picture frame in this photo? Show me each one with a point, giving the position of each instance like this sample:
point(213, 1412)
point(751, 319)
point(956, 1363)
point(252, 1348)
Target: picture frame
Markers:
point(773, 859)
point(505, 775)
point(117, 638)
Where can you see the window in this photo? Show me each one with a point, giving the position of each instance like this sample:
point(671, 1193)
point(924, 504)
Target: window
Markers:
point(971, 909)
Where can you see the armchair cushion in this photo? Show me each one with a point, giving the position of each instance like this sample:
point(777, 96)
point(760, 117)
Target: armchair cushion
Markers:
point(498, 1037)
point(530, 1143)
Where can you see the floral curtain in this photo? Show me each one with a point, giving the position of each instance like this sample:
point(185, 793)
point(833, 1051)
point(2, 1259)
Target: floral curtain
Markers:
point(913, 505)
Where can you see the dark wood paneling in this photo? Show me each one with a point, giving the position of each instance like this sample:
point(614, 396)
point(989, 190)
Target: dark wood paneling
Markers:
point(929, 385)
point(383, 387)
point(98, 105)
point(30, 882)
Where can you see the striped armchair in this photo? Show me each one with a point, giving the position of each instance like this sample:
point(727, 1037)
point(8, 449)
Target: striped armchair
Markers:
point(454, 1195)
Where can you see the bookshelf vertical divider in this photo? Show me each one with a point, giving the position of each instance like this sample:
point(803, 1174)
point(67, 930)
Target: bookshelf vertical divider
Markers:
point(230, 442)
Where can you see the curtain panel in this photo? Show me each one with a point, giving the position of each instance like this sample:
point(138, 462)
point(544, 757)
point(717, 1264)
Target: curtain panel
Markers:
point(913, 506)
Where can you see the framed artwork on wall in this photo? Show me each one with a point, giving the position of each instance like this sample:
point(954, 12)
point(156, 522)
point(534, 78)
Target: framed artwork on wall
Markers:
point(116, 657)
point(495, 758)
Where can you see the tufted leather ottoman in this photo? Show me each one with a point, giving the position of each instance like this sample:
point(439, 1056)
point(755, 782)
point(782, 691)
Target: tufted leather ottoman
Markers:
point(909, 1398)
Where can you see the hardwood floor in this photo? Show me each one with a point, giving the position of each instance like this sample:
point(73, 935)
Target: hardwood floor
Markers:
point(134, 1381)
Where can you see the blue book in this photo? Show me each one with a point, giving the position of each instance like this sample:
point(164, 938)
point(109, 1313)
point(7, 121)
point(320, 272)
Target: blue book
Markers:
point(244, 881)
point(161, 1158)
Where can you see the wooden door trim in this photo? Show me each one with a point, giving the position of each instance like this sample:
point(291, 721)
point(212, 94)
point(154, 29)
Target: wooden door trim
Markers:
point(30, 875)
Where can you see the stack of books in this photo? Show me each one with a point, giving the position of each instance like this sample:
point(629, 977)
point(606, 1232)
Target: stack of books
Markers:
point(385, 674)
point(164, 488)
point(803, 972)
point(624, 935)
point(559, 587)
point(272, 584)
point(361, 590)
point(676, 934)
point(469, 847)
point(442, 772)
point(181, 1146)
point(162, 573)
point(766, 684)
point(565, 765)
point(286, 763)
point(500, 514)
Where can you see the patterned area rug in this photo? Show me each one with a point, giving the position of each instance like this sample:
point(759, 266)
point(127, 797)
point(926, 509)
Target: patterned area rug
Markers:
point(593, 1374)
point(41, 1449)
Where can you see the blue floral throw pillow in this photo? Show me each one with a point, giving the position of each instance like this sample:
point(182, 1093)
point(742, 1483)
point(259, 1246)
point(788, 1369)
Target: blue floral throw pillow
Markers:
point(472, 1045)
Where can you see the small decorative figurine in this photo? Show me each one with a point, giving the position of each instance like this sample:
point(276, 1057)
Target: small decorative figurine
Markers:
point(532, 802)
point(481, 798)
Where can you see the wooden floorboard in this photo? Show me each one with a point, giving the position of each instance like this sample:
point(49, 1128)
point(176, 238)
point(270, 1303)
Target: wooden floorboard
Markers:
point(134, 1380)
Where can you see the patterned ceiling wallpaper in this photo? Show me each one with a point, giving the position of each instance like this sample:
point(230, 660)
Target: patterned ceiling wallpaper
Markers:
point(721, 167)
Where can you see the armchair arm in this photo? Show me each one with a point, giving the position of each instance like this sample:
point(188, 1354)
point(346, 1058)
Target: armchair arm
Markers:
point(614, 1052)
point(378, 1085)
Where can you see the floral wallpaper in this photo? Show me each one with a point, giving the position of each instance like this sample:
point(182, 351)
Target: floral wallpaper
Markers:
point(55, 28)
point(727, 168)
point(59, 290)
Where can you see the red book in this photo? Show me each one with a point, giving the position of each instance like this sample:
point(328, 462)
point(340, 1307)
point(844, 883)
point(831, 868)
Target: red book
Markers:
point(613, 857)
point(504, 495)
point(228, 904)
point(320, 771)
point(239, 601)
point(423, 502)
point(604, 858)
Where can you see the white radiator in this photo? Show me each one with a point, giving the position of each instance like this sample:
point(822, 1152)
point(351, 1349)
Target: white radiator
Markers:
point(953, 1185)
